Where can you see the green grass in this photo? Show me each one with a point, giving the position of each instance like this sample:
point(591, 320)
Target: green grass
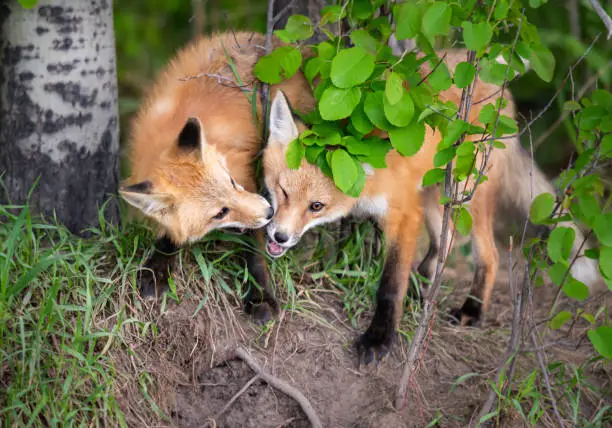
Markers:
point(56, 293)
point(69, 311)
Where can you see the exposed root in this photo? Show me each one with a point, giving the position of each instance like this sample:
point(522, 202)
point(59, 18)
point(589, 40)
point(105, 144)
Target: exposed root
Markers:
point(282, 386)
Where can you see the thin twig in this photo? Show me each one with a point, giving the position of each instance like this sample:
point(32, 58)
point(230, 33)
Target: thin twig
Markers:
point(236, 396)
point(265, 88)
point(509, 358)
point(594, 78)
point(220, 80)
point(282, 12)
point(282, 386)
point(572, 68)
point(603, 15)
point(553, 401)
point(432, 70)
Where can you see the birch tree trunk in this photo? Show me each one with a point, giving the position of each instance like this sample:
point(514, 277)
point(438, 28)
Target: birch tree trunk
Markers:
point(58, 108)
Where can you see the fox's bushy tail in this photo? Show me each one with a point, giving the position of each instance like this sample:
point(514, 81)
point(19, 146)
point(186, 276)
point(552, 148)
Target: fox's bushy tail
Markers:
point(521, 182)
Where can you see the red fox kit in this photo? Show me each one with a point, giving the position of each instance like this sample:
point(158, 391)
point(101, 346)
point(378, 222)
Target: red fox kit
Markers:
point(192, 151)
point(305, 197)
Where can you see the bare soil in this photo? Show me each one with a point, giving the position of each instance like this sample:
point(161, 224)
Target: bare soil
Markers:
point(190, 371)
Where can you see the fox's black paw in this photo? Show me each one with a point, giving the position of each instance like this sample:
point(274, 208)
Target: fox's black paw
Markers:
point(374, 345)
point(152, 282)
point(458, 316)
point(262, 311)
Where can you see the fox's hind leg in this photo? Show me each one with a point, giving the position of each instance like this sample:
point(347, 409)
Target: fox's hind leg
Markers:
point(486, 257)
point(260, 302)
point(433, 213)
point(401, 233)
point(153, 279)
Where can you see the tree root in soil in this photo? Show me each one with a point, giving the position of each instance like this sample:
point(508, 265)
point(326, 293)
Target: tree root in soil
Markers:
point(275, 382)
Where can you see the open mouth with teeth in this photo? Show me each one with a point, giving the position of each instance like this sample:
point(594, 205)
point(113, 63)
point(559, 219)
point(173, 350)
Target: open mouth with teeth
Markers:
point(274, 249)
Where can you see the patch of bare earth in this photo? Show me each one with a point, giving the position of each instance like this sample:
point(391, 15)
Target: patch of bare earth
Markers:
point(191, 372)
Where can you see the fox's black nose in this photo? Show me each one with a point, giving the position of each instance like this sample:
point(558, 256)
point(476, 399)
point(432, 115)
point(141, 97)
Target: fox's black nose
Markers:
point(281, 237)
point(270, 213)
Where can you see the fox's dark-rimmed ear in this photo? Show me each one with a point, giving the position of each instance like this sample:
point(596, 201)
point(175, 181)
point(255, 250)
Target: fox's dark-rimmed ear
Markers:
point(192, 136)
point(143, 196)
point(282, 125)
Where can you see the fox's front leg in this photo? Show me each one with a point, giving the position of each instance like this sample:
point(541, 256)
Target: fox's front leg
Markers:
point(401, 232)
point(260, 302)
point(153, 279)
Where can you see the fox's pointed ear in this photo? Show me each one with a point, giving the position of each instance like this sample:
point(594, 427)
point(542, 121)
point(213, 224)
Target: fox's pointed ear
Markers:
point(142, 196)
point(282, 126)
point(192, 135)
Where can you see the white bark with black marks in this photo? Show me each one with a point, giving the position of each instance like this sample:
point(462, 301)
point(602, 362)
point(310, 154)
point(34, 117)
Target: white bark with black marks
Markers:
point(58, 108)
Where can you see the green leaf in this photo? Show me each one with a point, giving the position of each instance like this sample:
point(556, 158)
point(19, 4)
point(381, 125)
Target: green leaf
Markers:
point(324, 165)
point(299, 27)
point(560, 243)
point(557, 272)
point(541, 208)
point(466, 148)
point(374, 109)
point(501, 10)
point(444, 156)
point(561, 318)
point(268, 69)
point(344, 170)
point(355, 191)
point(493, 72)
point(394, 89)
point(409, 139)
point(605, 261)
point(312, 153)
point(440, 79)
point(464, 74)
point(326, 50)
point(338, 103)
point(28, 4)
point(401, 113)
point(463, 221)
point(603, 229)
point(476, 36)
point(575, 289)
point(487, 114)
point(332, 13)
point(436, 20)
point(281, 63)
point(601, 338)
point(362, 39)
point(408, 20)
point(606, 146)
point(542, 62)
point(361, 9)
point(351, 67)
point(588, 317)
point(454, 131)
point(536, 3)
point(360, 120)
point(295, 153)
point(312, 67)
point(433, 176)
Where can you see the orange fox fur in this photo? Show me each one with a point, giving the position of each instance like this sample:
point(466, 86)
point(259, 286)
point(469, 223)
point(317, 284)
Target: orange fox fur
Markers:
point(305, 197)
point(192, 150)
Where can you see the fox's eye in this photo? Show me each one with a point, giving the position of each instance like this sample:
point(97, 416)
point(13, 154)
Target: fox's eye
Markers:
point(221, 213)
point(233, 182)
point(284, 193)
point(316, 206)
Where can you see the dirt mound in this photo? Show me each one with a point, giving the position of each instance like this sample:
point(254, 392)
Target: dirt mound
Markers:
point(190, 371)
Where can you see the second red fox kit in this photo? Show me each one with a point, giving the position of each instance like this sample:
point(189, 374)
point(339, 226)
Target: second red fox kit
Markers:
point(305, 197)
